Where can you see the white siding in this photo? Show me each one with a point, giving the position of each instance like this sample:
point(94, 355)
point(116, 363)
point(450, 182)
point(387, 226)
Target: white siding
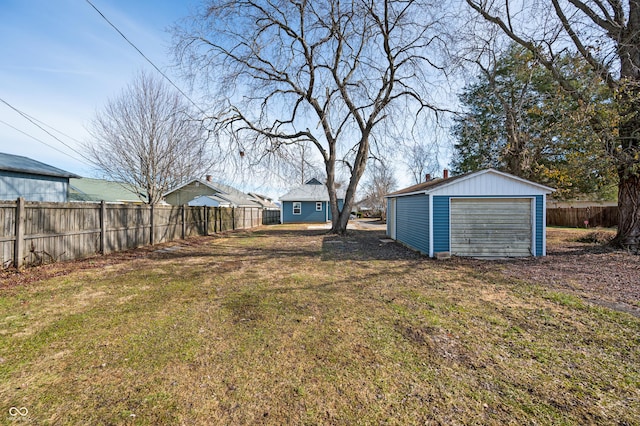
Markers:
point(489, 184)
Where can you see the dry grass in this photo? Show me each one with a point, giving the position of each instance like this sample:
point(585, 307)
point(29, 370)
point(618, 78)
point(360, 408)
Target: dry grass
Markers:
point(285, 326)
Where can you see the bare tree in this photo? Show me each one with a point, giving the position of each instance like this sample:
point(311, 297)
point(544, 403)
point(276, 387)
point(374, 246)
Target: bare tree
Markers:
point(147, 138)
point(607, 34)
point(380, 181)
point(421, 160)
point(327, 74)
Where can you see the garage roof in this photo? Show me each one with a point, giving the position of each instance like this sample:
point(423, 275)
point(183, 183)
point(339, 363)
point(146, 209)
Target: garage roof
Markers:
point(483, 182)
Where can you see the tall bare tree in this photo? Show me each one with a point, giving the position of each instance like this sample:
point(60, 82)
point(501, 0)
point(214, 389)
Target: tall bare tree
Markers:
point(607, 34)
point(325, 73)
point(421, 160)
point(147, 138)
point(379, 182)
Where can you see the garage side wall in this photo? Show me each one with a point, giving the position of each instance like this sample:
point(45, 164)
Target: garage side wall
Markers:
point(412, 222)
point(390, 217)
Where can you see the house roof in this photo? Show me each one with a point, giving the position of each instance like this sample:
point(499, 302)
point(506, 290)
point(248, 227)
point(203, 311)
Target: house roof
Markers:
point(235, 197)
point(441, 184)
point(20, 164)
point(310, 191)
point(88, 189)
point(263, 200)
point(209, 200)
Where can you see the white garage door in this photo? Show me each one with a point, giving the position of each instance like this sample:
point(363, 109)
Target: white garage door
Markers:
point(491, 227)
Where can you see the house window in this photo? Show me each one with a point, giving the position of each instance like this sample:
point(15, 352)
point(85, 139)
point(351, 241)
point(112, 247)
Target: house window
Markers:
point(318, 206)
point(297, 207)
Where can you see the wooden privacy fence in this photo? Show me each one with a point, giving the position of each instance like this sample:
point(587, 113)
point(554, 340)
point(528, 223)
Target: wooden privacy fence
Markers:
point(270, 217)
point(35, 232)
point(606, 217)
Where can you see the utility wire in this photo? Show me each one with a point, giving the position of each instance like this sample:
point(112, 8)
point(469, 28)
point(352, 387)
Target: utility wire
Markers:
point(44, 143)
point(146, 58)
point(33, 121)
point(53, 128)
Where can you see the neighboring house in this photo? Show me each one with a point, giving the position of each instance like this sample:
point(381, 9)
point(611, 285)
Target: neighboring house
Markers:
point(486, 213)
point(308, 203)
point(190, 191)
point(89, 189)
point(32, 180)
point(266, 202)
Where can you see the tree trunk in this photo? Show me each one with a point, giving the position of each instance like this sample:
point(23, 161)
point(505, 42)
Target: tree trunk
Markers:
point(628, 153)
point(627, 158)
point(340, 221)
point(628, 236)
point(339, 224)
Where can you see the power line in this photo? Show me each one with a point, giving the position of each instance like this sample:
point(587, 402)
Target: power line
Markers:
point(33, 121)
point(146, 58)
point(44, 143)
point(53, 128)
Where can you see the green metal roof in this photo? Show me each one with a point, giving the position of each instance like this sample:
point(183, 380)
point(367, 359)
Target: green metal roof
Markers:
point(88, 189)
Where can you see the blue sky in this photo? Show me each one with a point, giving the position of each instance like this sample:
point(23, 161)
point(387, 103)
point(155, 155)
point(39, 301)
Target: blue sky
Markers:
point(61, 62)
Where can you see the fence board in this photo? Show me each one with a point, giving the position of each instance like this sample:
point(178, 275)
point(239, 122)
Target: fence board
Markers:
point(167, 223)
point(7, 233)
point(67, 231)
point(270, 217)
point(127, 227)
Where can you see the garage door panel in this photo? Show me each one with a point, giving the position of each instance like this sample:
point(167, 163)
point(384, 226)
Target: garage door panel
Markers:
point(491, 227)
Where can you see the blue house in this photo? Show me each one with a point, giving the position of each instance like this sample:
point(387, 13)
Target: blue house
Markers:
point(32, 180)
point(308, 203)
point(486, 213)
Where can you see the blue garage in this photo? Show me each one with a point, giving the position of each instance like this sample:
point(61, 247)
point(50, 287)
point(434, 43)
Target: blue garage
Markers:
point(487, 213)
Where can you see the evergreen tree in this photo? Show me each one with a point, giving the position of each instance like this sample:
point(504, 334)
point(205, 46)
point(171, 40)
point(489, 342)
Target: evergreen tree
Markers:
point(516, 119)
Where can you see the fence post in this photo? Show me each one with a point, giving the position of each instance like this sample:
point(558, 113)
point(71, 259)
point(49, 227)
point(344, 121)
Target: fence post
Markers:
point(206, 221)
point(184, 221)
point(18, 247)
point(151, 225)
point(103, 227)
point(233, 218)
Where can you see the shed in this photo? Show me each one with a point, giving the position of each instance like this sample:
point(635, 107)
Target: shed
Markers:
point(308, 203)
point(487, 213)
point(32, 180)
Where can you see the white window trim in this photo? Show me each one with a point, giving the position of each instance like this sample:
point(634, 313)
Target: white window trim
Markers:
point(318, 206)
point(299, 204)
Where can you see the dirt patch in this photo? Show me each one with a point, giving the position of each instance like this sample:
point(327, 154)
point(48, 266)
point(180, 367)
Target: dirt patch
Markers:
point(593, 271)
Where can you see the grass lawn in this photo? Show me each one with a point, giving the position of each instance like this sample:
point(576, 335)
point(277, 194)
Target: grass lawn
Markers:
point(287, 326)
